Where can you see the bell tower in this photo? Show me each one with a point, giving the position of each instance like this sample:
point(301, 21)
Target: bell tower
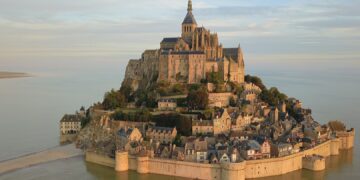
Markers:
point(189, 25)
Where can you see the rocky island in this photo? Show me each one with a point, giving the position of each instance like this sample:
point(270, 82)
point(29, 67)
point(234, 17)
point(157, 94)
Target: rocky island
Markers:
point(189, 107)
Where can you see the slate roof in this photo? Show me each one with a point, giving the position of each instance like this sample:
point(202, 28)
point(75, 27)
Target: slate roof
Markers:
point(171, 40)
point(231, 53)
point(167, 100)
point(189, 18)
point(161, 129)
point(71, 118)
point(125, 133)
point(183, 52)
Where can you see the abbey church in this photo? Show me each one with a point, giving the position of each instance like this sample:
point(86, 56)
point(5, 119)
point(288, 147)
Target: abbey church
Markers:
point(187, 59)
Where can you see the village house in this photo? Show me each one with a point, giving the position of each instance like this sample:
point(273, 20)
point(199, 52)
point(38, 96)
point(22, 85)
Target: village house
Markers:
point(201, 149)
point(70, 124)
point(241, 121)
point(129, 138)
point(190, 154)
point(196, 150)
point(251, 150)
point(222, 122)
point(167, 104)
point(235, 155)
point(265, 146)
point(161, 134)
point(202, 127)
point(281, 149)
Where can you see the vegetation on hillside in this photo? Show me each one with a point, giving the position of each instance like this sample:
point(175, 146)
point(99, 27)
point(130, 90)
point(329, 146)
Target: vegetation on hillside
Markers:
point(198, 99)
point(117, 98)
point(271, 96)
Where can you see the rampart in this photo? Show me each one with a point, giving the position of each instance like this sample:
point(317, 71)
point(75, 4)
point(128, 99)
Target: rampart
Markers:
point(241, 171)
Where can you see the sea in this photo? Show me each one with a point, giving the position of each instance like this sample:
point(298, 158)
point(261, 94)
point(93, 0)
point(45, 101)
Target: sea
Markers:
point(31, 108)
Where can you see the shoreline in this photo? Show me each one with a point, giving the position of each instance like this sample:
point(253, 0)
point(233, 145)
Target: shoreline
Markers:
point(8, 75)
point(51, 154)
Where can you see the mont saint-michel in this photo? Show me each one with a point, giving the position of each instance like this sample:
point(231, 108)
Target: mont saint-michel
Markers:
point(187, 109)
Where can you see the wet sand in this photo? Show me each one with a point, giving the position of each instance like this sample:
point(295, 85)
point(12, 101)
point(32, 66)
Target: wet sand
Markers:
point(5, 75)
point(57, 153)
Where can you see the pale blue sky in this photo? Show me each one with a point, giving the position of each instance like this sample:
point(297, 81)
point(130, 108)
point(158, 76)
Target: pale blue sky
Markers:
point(276, 28)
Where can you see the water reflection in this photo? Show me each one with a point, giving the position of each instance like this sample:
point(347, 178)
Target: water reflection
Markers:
point(334, 164)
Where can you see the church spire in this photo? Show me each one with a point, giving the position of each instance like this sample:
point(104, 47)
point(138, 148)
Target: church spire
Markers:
point(189, 6)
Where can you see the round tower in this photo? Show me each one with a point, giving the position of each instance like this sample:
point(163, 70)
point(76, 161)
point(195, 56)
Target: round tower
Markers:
point(121, 161)
point(142, 165)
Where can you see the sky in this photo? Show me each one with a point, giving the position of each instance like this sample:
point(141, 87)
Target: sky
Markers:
point(277, 29)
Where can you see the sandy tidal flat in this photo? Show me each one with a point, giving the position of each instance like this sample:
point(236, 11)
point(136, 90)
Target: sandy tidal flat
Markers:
point(4, 75)
point(61, 152)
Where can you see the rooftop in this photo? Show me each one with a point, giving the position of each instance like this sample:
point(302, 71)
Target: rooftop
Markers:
point(71, 118)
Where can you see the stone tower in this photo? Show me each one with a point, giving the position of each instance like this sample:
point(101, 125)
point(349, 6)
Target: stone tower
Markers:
point(189, 24)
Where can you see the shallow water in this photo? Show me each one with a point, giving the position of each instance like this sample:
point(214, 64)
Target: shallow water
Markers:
point(30, 108)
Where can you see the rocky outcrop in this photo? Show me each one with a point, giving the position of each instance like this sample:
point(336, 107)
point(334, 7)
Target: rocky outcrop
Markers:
point(94, 136)
point(143, 72)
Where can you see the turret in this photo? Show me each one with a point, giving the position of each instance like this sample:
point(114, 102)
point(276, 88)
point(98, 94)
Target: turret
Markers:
point(189, 24)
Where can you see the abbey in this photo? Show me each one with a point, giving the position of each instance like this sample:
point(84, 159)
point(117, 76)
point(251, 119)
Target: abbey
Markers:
point(187, 59)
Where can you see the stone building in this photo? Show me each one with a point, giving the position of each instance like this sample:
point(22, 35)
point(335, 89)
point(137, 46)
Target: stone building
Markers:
point(127, 137)
point(161, 134)
point(281, 149)
point(167, 104)
point(202, 127)
point(222, 123)
point(241, 121)
point(70, 124)
point(187, 59)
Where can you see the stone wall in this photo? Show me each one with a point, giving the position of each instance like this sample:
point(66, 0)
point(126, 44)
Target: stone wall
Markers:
point(184, 169)
point(240, 171)
point(67, 138)
point(313, 163)
point(346, 139)
point(220, 99)
point(101, 159)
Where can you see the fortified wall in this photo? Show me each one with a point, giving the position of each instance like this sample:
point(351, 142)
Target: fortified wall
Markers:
point(220, 99)
point(312, 159)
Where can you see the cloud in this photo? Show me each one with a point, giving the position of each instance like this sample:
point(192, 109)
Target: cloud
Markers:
point(117, 26)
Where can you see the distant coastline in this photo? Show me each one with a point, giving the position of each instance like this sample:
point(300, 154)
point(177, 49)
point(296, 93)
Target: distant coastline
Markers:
point(6, 75)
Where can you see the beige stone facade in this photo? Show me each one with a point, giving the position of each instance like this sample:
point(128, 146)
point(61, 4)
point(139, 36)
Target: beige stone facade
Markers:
point(70, 124)
point(222, 123)
point(244, 170)
point(202, 127)
point(167, 105)
point(220, 99)
point(186, 59)
point(161, 134)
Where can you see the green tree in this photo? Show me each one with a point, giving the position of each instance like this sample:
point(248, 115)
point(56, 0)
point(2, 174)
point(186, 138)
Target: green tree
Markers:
point(255, 80)
point(114, 99)
point(232, 101)
point(198, 99)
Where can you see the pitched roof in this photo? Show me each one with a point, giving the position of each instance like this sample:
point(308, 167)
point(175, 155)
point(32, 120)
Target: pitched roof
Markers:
point(182, 53)
point(71, 118)
point(189, 18)
point(125, 133)
point(231, 53)
point(171, 40)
